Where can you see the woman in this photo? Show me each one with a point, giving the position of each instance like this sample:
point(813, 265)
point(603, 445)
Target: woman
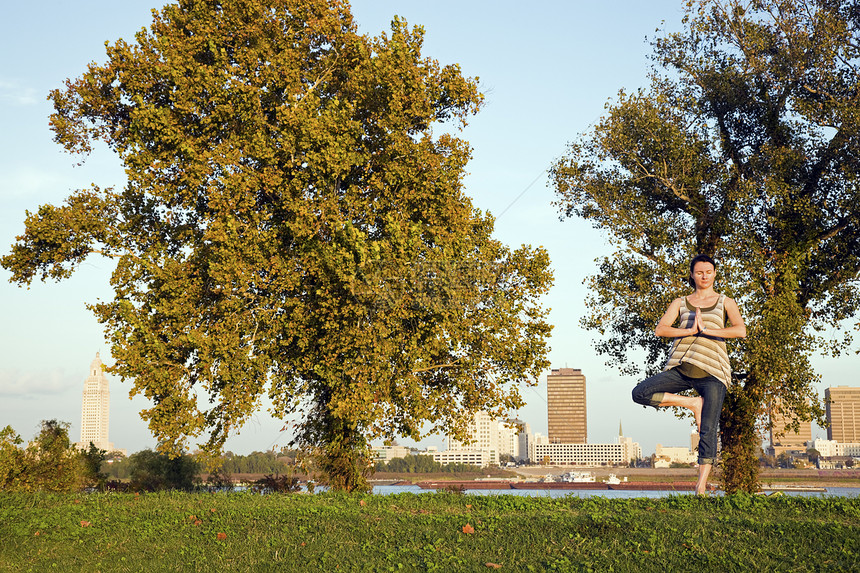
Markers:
point(698, 360)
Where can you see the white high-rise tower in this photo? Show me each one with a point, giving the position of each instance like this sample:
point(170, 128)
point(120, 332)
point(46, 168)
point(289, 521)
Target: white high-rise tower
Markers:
point(95, 411)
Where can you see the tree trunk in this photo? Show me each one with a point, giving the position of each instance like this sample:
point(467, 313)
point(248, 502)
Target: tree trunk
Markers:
point(740, 440)
point(341, 453)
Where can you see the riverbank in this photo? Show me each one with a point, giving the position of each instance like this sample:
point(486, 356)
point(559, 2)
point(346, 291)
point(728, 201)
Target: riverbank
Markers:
point(771, 479)
point(407, 532)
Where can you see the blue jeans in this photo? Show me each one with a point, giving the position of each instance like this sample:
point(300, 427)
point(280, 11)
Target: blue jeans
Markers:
point(650, 392)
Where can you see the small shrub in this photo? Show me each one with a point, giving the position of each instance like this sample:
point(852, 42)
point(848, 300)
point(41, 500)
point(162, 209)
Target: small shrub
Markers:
point(48, 463)
point(276, 484)
point(220, 480)
point(154, 471)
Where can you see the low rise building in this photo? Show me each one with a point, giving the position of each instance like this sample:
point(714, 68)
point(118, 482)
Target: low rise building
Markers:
point(580, 455)
point(543, 450)
point(386, 453)
point(832, 448)
point(632, 450)
point(825, 448)
point(480, 458)
point(678, 455)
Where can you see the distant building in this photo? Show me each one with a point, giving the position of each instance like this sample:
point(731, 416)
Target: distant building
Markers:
point(825, 448)
point(632, 450)
point(566, 411)
point(386, 453)
point(676, 454)
point(843, 413)
point(524, 438)
point(482, 435)
point(832, 449)
point(480, 458)
point(581, 455)
point(95, 410)
point(783, 440)
point(495, 437)
point(584, 455)
point(509, 443)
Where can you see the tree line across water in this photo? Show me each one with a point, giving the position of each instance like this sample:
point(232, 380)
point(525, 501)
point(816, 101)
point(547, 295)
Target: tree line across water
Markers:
point(50, 462)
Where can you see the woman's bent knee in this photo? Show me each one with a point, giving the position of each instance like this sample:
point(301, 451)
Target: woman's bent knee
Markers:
point(646, 397)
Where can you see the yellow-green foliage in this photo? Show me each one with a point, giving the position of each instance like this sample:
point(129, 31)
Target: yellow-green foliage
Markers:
point(294, 226)
point(744, 147)
point(48, 463)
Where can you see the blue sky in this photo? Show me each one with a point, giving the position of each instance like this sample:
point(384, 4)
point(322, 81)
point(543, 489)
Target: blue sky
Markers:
point(547, 69)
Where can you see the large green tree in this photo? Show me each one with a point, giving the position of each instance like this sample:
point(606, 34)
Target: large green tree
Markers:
point(292, 225)
point(744, 147)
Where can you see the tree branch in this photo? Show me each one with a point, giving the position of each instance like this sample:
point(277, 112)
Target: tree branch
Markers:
point(436, 366)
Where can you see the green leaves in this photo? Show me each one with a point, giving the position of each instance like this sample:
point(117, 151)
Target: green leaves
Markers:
point(58, 239)
point(292, 226)
point(48, 463)
point(744, 148)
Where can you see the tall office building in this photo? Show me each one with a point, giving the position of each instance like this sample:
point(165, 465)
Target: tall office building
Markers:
point(524, 439)
point(483, 434)
point(509, 443)
point(788, 441)
point(487, 435)
point(566, 414)
point(95, 411)
point(843, 414)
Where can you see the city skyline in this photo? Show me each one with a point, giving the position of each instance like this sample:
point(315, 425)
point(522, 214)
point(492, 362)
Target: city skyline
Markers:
point(500, 437)
point(541, 93)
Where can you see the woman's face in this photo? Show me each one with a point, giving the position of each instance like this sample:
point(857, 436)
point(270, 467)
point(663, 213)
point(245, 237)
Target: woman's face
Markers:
point(704, 274)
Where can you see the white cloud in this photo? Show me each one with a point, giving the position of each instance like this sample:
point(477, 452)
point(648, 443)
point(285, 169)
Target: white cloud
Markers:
point(35, 383)
point(14, 93)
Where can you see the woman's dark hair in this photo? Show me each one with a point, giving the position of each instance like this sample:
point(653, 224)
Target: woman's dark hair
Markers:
point(699, 259)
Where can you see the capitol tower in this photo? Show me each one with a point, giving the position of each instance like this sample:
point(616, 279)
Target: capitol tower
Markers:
point(95, 410)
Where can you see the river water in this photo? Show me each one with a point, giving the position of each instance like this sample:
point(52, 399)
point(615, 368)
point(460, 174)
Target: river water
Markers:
point(608, 493)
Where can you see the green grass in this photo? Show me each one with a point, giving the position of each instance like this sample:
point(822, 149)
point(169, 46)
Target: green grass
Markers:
point(407, 532)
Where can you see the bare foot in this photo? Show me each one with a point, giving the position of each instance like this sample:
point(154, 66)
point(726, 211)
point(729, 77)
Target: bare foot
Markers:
point(697, 412)
point(702, 482)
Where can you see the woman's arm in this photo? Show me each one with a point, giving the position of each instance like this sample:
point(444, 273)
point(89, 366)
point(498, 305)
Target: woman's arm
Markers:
point(737, 330)
point(664, 327)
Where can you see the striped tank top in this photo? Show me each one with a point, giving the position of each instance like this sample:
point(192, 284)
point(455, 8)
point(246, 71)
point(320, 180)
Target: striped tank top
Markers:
point(701, 351)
